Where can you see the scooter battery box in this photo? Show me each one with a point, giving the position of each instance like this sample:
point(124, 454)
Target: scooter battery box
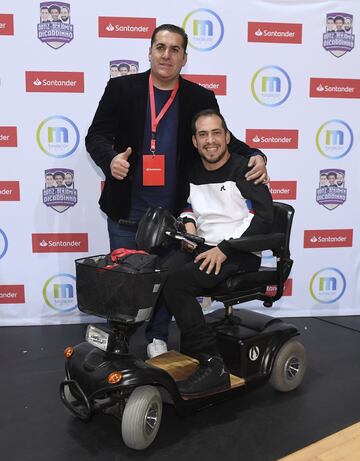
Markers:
point(241, 348)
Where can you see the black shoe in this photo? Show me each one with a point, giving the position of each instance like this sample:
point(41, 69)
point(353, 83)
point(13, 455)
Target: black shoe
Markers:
point(210, 376)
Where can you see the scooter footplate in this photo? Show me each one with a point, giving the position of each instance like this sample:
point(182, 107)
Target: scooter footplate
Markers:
point(180, 366)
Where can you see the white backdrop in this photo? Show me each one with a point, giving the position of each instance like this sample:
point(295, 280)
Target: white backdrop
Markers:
point(285, 81)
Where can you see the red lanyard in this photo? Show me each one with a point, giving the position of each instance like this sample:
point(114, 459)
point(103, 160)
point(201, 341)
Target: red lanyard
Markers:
point(155, 120)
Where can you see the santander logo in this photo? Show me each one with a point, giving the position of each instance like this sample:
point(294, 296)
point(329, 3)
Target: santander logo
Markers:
point(288, 286)
point(54, 82)
point(283, 190)
point(272, 139)
point(328, 238)
point(216, 83)
point(12, 294)
point(274, 32)
point(118, 27)
point(8, 136)
point(9, 191)
point(334, 88)
point(59, 243)
point(6, 24)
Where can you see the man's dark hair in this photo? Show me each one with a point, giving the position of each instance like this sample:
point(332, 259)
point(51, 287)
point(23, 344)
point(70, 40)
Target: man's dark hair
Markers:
point(339, 17)
point(171, 28)
point(207, 113)
point(54, 7)
point(59, 173)
point(124, 64)
point(332, 173)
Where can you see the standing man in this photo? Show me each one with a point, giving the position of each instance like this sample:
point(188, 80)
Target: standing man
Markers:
point(222, 207)
point(141, 139)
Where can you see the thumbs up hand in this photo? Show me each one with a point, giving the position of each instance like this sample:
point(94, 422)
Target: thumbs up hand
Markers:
point(119, 165)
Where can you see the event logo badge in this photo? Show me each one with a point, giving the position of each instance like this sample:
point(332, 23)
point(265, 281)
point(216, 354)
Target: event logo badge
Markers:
point(331, 191)
point(274, 32)
point(117, 27)
point(3, 244)
point(338, 38)
point(12, 294)
point(328, 238)
point(271, 86)
point(272, 139)
point(334, 139)
point(327, 285)
point(9, 191)
point(55, 28)
point(6, 24)
point(121, 67)
point(59, 192)
point(60, 292)
point(8, 136)
point(58, 136)
point(215, 83)
point(204, 28)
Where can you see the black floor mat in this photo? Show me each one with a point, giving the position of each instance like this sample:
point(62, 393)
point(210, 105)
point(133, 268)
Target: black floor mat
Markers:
point(261, 425)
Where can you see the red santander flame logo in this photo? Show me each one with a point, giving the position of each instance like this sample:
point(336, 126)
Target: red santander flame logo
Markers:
point(328, 238)
point(334, 88)
point(283, 190)
point(59, 243)
point(54, 82)
point(117, 27)
point(12, 294)
point(274, 32)
point(215, 83)
point(272, 138)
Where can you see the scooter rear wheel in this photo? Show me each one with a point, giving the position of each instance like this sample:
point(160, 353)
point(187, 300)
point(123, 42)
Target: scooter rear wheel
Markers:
point(142, 417)
point(289, 367)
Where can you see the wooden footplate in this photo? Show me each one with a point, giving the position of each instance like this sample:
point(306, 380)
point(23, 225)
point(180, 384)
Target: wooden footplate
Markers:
point(181, 366)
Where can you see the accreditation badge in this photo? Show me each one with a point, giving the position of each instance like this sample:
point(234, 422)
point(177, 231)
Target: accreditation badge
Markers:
point(154, 170)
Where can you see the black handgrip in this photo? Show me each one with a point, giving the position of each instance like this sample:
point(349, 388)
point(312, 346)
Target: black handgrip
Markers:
point(193, 238)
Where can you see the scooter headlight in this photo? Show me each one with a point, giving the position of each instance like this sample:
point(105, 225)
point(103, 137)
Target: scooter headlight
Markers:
point(97, 337)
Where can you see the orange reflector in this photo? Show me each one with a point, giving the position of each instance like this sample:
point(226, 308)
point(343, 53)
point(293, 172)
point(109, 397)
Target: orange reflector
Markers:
point(68, 352)
point(114, 377)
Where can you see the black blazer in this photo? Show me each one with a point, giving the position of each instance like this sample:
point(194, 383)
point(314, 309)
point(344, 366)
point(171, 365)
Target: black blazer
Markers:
point(119, 123)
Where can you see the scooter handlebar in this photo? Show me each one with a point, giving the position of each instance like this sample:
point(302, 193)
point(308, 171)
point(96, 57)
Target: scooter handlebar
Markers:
point(185, 236)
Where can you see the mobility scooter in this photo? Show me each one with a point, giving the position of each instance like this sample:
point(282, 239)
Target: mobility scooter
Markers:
point(101, 374)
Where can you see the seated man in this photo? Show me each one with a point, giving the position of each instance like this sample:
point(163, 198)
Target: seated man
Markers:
point(223, 206)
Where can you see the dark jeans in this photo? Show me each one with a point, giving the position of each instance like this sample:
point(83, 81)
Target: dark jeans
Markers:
point(124, 237)
point(184, 283)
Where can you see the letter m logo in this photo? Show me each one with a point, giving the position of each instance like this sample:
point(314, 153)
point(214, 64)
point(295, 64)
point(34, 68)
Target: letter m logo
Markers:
point(327, 284)
point(58, 134)
point(203, 27)
point(63, 290)
point(334, 137)
point(271, 84)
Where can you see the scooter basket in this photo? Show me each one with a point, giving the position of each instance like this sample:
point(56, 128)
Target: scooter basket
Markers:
point(115, 293)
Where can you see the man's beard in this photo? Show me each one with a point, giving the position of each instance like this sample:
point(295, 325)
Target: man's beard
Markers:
point(214, 160)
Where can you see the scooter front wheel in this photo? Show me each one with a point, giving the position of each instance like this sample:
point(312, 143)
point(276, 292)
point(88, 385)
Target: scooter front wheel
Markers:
point(142, 417)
